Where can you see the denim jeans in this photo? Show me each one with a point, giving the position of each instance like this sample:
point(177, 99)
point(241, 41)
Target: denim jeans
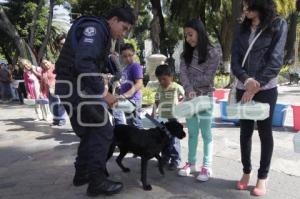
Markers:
point(133, 119)
point(56, 108)
point(172, 152)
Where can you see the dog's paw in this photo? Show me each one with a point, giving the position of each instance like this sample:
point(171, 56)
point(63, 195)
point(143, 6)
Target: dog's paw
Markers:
point(126, 170)
point(147, 187)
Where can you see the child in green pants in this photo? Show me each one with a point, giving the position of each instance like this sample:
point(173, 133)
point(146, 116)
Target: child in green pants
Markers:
point(199, 62)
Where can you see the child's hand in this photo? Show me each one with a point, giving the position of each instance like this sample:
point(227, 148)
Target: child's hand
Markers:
point(180, 98)
point(110, 99)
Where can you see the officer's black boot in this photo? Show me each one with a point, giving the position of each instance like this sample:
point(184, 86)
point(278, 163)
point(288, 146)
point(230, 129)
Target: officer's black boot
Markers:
point(81, 177)
point(99, 184)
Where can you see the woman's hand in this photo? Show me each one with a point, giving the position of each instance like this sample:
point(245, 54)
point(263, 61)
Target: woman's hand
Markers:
point(247, 97)
point(252, 85)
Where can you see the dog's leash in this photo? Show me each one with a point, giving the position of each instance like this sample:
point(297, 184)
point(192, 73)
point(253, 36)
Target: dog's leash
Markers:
point(159, 125)
point(128, 100)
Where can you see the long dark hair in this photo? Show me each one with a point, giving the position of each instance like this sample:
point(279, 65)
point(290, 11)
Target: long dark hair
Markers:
point(265, 8)
point(203, 42)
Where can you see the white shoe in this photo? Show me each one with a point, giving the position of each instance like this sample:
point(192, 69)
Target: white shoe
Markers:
point(187, 169)
point(204, 174)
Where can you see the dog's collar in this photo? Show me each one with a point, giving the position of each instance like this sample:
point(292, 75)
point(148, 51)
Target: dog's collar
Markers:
point(159, 125)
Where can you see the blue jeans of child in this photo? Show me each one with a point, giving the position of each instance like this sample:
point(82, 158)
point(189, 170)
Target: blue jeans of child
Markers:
point(133, 119)
point(172, 151)
point(57, 109)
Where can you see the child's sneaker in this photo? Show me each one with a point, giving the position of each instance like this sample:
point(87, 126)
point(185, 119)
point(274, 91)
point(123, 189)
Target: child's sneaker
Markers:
point(187, 169)
point(204, 174)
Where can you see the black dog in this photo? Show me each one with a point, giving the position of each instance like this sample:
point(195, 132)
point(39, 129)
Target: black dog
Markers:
point(144, 143)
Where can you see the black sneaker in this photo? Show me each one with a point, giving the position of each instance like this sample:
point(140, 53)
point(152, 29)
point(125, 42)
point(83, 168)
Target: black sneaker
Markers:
point(99, 186)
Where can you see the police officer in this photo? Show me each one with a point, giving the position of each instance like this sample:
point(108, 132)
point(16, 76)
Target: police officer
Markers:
point(86, 98)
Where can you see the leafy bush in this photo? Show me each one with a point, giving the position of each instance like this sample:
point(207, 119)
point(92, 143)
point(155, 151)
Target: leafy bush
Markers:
point(284, 69)
point(221, 80)
point(148, 95)
point(282, 79)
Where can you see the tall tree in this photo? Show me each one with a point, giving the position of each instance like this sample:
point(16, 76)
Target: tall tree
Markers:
point(34, 23)
point(291, 39)
point(48, 32)
point(7, 27)
point(159, 18)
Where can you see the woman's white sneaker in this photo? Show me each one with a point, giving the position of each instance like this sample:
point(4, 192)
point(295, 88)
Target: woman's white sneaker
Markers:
point(204, 174)
point(187, 169)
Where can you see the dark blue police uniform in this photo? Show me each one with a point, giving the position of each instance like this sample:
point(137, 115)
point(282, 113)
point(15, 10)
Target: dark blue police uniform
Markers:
point(85, 51)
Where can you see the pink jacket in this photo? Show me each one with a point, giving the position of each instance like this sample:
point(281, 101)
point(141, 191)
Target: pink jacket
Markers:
point(47, 80)
point(32, 83)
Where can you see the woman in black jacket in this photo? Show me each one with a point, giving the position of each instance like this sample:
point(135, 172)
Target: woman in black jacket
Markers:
point(257, 80)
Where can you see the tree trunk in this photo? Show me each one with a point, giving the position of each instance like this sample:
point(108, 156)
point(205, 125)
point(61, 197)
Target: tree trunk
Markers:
point(34, 21)
point(10, 30)
point(154, 32)
point(45, 42)
point(291, 38)
point(226, 44)
point(296, 63)
point(156, 5)
point(236, 13)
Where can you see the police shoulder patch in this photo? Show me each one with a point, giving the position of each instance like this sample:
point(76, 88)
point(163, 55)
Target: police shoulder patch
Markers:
point(89, 31)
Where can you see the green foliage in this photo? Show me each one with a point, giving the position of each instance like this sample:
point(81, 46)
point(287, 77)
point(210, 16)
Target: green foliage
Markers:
point(2, 57)
point(282, 79)
point(96, 8)
point(221, 80)
point(285, 7)
point(21, 13)
point(148, 95)
point(284, 69)
point(174, 33)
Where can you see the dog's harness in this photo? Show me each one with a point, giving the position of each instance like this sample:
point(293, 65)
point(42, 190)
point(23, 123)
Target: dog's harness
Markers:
point(159, 125)
point(154, 121)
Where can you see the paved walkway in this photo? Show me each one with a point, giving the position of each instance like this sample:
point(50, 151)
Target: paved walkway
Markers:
point(36, 162)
